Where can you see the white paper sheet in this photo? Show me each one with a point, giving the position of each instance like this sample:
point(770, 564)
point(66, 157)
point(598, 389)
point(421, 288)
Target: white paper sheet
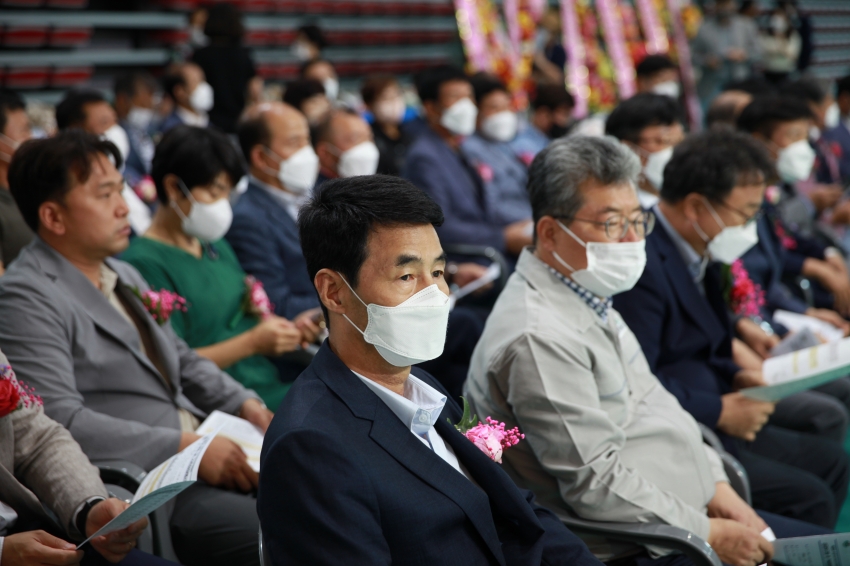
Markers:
point(802, 370)
point(240, 431)
point(824, 550)
point(161, 484)
point(494, 271)
point(796, 322)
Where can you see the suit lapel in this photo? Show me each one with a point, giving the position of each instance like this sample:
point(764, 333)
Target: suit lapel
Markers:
point(389, 433)
point(274, 209)
point(685, 289)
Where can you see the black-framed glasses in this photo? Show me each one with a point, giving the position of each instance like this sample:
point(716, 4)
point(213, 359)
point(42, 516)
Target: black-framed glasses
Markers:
point(747, 218)
point(617, 227)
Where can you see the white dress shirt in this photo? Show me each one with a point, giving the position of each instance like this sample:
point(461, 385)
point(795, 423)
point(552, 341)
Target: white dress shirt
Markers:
point(291, 202)
point(418, 409)
point(200, 120)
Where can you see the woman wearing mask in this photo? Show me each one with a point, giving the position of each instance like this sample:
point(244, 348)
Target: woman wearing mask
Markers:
point(780, 45)
point(383, 96)
point(194, 171)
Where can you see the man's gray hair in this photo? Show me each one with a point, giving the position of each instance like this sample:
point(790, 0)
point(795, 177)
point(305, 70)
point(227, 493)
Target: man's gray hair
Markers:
point(558, 172)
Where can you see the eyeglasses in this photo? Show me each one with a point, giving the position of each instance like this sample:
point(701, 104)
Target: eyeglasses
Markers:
point(617, 227)
point(747, 218)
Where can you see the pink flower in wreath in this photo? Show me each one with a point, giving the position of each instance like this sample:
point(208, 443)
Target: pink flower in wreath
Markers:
point(492, 438)
point(14, 394)
point(161, 304)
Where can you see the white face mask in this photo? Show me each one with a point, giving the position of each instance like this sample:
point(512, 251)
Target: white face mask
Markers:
point(410, 333)
point(118, 136)
point(390, 111)
point(732, 242)
point(207, 222)
point(331, 88)
point(655, 164)
point(611, 267)
point(202, 98)
point(302, 51)
point(795, 162)
point(832, 117)
point(501, 126)
point(459, 118)
point(362, 159)
point(668, 88)
point(299, 172)
point(140, 118)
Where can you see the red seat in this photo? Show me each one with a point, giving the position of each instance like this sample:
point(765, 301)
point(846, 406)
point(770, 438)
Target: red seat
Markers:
point(69, 37)
point(65, 77)
point(258, 37)
point(25, 36)
point(170, 36)
point(26, 77)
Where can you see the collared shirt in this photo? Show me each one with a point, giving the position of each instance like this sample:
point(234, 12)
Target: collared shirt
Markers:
point(108, 282)
point(418, 409)
point(599, 305)
point(292, 203)
point(192, 119)
point(696, 263)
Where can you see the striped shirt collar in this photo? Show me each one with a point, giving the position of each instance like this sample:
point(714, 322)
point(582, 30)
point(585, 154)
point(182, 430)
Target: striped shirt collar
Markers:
point(599, 305)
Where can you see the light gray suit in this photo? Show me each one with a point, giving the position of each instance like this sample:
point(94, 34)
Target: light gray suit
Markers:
point(85, 359)
point(41, 463)
point(64, 338)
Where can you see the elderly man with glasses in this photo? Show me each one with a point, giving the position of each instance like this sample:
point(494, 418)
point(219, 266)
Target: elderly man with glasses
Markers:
point(605, 440)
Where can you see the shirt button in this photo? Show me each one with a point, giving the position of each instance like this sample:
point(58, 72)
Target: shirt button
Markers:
point(423, 418)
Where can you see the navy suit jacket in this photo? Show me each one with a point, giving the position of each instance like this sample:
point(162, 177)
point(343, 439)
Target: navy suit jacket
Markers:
point(686, 338)
point(841, 135)
point(265, 239)
point(441, 172)
point(344, 482)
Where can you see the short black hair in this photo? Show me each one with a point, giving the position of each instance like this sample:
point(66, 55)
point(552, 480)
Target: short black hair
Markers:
point(807, 89)
point(10, 101)
point(764, 114)
point(428, 81)
point(197, 156)
point(335, 224)
point(653, 64)
point(70, 112)
point(314, 34)
point(639, 112)
point(756, 86)
point(484, 84)
point(46, 169)
point(129, 83)
point(251, 132)
point(721, 115)
point(714, 162)
point(299, 91)
point(172, 80)
point(842, 85)
point(552, 97)
point(224, 24)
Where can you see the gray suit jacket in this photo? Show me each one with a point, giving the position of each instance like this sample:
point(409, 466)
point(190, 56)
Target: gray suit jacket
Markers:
point(40, 461)
point(64, 338)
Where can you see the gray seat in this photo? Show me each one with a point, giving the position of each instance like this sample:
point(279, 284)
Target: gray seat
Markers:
point(265, 559)
point(738, 478)
point(127, 477)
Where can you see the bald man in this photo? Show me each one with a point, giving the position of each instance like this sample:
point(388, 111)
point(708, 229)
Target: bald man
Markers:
point(193, 97)
point(275, 140)
point(345, 146)
point(726, 107)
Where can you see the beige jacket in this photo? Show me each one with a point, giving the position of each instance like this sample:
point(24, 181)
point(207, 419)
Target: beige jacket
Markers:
point(41, 463)
point(604, 439)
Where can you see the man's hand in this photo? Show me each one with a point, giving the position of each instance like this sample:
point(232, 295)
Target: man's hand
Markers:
point(114, 546)
point(745, 356)
point(38, 547)
point(833, 278)
point(738, 544)
point(743, 417)
point(310, 323)
point(275, 336)
point(748, 378)
point(755, 337)
point(225, 465)
point(830, 317)
point(824, 196)
point(257, 414)
point(465, 273)
point(736, 55)
point(517, 236)
point(727, 504)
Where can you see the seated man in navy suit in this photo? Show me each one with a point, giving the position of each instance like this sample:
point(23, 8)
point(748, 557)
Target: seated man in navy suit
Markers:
point(840, 134)
point(710, 200)
point(361, 464)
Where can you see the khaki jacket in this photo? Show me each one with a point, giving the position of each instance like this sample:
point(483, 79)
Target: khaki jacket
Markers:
point(604, 440)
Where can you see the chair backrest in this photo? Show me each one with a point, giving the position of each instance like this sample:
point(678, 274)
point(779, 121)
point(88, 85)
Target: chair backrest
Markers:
point(265, 559)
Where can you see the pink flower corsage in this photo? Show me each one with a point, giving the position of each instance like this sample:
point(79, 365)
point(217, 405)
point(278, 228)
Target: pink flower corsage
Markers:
point(255, 302)
point(744, 297)
point(14, 394)
point(161, 304)
point(490, 437)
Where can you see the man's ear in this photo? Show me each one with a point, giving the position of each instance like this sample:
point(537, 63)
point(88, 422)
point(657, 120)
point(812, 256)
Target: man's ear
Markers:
point(547, 227)
point(691, 206)
point(51, 217)
point(259, 157)
point(172, 188)
point(329, 285)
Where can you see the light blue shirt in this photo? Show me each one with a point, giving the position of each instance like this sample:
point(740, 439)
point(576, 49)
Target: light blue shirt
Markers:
point(418, 409)
point(696, 263)
point(289, 201)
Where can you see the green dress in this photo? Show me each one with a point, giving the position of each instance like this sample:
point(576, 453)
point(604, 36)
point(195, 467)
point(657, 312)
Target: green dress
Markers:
point(214, 289)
